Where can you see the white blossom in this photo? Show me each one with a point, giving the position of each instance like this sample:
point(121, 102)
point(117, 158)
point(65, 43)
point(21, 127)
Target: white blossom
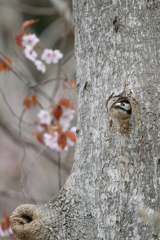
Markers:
point(66, 118)
point(47, 56)
point(30, 53)
point(50, 56)
point(56, 56)
point(50, 140)
point(29, 40)
point(44, 117)
point(73, 129)
point(40, 128)
point(5, 233)
point(40, 66)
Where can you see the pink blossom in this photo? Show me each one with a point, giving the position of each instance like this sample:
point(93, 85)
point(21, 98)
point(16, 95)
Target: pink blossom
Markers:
point(56, 56)
point(44, 117)
point(50, 56)
point(40, 66)
point(70, 142)
point(5, 233)
point(73, 129)
point(40, 128)
point(50, 140)
point(47, 55)
point(66, 118)
point(30, 53)
point(29, 40)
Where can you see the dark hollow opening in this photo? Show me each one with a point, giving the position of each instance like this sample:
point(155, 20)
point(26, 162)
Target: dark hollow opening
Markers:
point(27, 219)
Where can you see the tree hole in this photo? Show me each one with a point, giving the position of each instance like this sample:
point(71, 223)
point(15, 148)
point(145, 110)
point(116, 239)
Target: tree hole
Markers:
point(25, 219)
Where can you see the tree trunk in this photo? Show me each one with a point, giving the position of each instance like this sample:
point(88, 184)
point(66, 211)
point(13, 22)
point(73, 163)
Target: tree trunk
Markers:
point(116, 167)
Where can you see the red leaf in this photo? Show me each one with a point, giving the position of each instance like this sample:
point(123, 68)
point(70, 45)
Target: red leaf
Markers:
point(3, 66)
point(18, 39)
point(26, 101)
point(34, 99)
point(62, 140)
point(30, 99)
point(34, 133)
point(65, 103)
point(57, 111)
point(28, 23)
point(71, 135)
point(72, 83)
point(38, 135)
point(5, 221)
point(6, 68)
point(69, 83)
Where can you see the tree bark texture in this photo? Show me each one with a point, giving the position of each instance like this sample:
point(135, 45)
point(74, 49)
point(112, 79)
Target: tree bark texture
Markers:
point(116, 169)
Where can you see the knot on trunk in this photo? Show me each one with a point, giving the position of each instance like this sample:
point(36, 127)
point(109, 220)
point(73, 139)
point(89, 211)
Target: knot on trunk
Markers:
point(26, 222)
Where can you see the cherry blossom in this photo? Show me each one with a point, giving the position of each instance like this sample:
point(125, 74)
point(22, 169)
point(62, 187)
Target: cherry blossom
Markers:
point(30, 53)
point(30, 40)
point(50, 56)
point(50, 140)
point(56, 56)
point(66, 118)
point(40, 66)
point(5, 233)
point(47, 55)
point(70, 142)
point(40, 128)
point(73, 129)
point(44, 117)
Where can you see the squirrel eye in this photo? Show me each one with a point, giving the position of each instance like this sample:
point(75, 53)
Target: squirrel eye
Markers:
point(123, 104)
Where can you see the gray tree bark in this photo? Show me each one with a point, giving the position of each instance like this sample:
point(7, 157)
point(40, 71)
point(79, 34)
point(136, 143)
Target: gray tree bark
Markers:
point(116, 169)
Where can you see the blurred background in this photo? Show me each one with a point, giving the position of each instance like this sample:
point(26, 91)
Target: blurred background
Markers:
point(55, 31)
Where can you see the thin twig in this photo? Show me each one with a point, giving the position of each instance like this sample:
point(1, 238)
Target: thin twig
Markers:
point(31, 167)
point(11, 110)
point(47, 81)
point(63, 8)
point(59, 170)
point(12, 69)
point(10, 193)
point(67, 59)
point(23, 157)
point(28, 9)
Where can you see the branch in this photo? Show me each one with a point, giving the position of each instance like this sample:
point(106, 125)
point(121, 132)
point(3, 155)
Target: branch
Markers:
point(47, 81)
point(31, 167)
point(13, 113)
point(13, 69)
point(28, 9)
point(9, 193)
point(23, 157)
point(64, 10)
